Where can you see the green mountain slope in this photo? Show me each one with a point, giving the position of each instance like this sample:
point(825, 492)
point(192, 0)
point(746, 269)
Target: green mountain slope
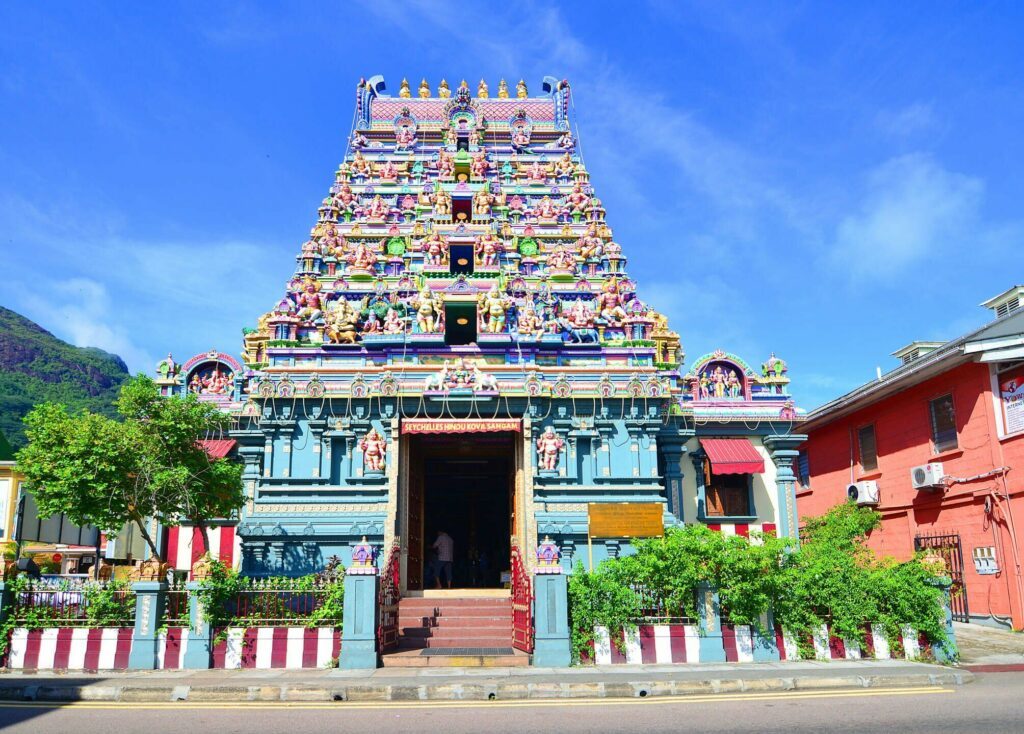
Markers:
point(36, 366)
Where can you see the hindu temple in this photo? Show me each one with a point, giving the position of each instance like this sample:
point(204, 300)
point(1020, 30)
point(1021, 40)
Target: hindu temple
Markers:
point(461, 348)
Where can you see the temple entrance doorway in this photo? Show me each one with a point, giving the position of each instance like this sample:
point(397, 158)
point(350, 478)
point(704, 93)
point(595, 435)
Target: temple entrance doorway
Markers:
point(464, 485)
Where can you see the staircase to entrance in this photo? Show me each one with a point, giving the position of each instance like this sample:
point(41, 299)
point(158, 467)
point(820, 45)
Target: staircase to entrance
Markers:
point(453, 628)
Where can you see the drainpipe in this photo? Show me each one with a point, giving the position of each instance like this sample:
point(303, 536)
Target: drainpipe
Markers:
point(1014, 538)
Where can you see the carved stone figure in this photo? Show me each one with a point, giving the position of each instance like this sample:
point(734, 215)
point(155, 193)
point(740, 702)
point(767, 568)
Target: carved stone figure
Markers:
point(487, 249)
point(492, 310)
point(341, 323)
point(362, 258)
point(435, 249)
point(549, 446)
point(428, 311)
point(609, 303)
point(374, 449)
point(479, 165)
point(308, 304)
point(393, 323)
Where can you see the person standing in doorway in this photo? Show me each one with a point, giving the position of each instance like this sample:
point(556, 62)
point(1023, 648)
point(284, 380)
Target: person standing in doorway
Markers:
point(445, 547)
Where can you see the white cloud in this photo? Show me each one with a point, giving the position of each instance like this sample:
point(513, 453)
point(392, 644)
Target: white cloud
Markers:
point(913, 209)
point(914, 118)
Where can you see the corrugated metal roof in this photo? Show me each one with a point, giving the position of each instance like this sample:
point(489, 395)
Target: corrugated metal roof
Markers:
point(217, 448)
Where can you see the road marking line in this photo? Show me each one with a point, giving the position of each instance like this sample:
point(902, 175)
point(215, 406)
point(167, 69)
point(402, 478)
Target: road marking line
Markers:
point(513, 703)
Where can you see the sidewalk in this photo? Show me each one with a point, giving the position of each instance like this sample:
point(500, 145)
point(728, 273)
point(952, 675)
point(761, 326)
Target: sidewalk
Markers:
point(458, 684)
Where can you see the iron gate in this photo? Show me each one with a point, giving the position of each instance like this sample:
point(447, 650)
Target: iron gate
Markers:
point(947, 545)
point(522, 602)
point(388, 595)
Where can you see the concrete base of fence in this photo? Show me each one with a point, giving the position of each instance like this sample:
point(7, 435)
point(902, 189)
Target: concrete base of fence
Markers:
point(359, 631)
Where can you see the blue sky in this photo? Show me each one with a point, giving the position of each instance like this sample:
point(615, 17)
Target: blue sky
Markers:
point(829, 181)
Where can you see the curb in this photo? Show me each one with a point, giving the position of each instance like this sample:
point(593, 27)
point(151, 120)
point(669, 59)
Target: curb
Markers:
point(467, 691)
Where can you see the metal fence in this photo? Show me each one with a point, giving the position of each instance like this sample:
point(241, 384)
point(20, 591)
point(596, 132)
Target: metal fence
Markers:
point(280, 602)
point(656, 609)
point(74, 603)
point(176, 611)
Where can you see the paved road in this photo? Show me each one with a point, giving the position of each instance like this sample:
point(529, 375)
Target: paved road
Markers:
point(991, 704)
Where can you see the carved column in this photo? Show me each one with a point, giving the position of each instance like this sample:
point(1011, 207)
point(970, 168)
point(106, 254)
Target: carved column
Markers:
point(783, 452)
point(672, 457)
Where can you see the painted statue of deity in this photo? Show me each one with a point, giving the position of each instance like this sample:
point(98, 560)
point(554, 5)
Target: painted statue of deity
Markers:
point(393, 323)
point(308, 304)
point(479, 165)
point(345, 198)
point(445, 164)
point(589, 244)
point(359, 141)
point(388, 173)
point(492, 307)
point(359, 165)
point(482, 203)
point(375, 451)
point(530, 324)
point(520, 138)
point(328, 209)
point(566, 141)
point(487, 249)
point(609, 303)
point(405, 137)
point(549, 447)
point(516, 204)
point(435, 249)
point(341, 323)
point(546, 209)
point(372, 324)
point(536, 173)
point(428, 311)
point(718, 382)
point(564, 166)
point(378, 208)
point(560, 259)
point(578, 199)
point(424, 198)
point(733, 385)
point(331, 242)
point(442, 203)
point(362, 258)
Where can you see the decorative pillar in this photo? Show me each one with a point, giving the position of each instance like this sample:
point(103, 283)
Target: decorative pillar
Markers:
point(698, 458)
point(709, 625)
point(359, 630)
point(150, 597)
point(783, 452)
point(551, 645)
point(672, 456)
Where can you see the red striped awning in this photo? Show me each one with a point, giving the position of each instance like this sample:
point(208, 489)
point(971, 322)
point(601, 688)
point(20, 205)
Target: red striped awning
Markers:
point(732, 456)
point(217, 448)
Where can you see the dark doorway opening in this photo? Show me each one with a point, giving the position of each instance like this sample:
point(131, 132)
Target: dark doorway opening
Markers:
point(459, 323)
point(462, 209)
point(466, 483)
point(462, 141)
point(460, 259)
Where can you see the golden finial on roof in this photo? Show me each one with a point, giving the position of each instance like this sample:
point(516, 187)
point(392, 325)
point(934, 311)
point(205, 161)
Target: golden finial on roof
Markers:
point(424, 89)
point(443, 90)
point(502, 89)
point(463, 84)
point(521, 92)
point(481, 90)
point(403, 91)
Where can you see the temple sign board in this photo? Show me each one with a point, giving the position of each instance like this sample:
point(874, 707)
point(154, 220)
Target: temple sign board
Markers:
point(625, 520)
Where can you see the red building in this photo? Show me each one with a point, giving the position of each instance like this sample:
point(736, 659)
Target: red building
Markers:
point(937, 445)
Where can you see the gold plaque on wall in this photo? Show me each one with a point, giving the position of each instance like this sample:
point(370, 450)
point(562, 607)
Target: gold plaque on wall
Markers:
point(625, 519)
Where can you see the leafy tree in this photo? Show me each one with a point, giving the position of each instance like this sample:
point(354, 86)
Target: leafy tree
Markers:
point(150, 464)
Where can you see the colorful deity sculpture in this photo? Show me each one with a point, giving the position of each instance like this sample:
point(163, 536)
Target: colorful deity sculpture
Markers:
point(733, 385)
point(536, 173)
point(388, 172)
point(479, 165)
point(561, 260)
point(362, 258)
point(393, 323)
point(609, 303)
point(345, 198)
point(549, 447)
point(378, 208)
point(372, 324)
point(308, 303)
point(359, 140)
point(564, 166)
point(428, 312)
point(360, 166)
point(530, 323)
point(482, 203)
point(521, 138)
point(546, 209)
point(442, 203)
point(492, 307)
point(435, 249)
point(487, 249)
point(341, 323)
point(375, 451)
point(578, 199)
point(589, 244)
point(445, 164)
point(331, 242)
point(405, 137)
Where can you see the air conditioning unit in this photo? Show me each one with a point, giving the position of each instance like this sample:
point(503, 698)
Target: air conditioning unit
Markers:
point(928, 476)
point(863, 493)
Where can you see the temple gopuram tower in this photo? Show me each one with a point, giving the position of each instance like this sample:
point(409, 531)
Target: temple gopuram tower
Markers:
point(461, 347)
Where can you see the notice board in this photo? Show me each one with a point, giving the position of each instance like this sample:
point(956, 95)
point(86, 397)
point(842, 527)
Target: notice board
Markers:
point(625, 519)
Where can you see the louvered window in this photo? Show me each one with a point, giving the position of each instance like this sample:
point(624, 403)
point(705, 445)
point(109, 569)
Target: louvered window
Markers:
point(943, 419)
point(868, 450)
point(1004, 308)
